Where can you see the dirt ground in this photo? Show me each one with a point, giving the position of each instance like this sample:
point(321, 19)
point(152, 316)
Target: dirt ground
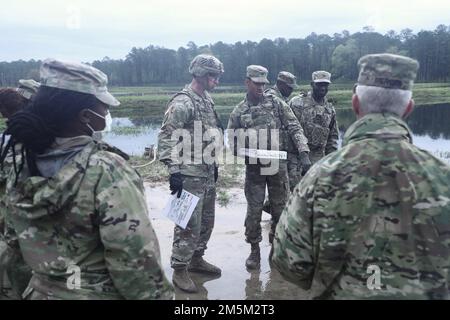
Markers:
point(227, 249)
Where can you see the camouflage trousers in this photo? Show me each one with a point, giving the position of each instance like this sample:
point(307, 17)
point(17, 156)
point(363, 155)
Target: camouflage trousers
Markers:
point(194, 239)
point(295, 169)
point(255, 189)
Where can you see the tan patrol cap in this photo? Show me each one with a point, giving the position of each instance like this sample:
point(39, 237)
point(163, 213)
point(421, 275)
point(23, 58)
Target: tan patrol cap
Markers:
point(321, 76)
point(77, 77)
point(388, 71)
point(288, 78)
point(257, 74)
point(28, 88)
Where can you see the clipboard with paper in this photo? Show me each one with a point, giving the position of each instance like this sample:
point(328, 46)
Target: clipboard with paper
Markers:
point(180, 210)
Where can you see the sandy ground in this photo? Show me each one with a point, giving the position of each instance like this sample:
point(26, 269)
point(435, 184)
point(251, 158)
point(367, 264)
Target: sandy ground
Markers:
point(226, 249)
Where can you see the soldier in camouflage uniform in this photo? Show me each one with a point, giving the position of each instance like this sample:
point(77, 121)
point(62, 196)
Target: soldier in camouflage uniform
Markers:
point(192, 110)
point(372, 219)
point(318, 118)
point(261, 111)
point(12, 100)
point(286, 83)
point(76, 211)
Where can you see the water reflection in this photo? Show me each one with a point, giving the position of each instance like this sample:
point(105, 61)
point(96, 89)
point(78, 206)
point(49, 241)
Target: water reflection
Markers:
point(428, 123)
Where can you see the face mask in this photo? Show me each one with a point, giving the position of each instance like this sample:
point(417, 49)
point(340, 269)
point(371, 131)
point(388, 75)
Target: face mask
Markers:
point(108, 123)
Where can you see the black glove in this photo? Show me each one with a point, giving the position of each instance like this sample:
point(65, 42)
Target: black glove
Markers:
point(176, 183)
point(216, 173)
point(304, 162)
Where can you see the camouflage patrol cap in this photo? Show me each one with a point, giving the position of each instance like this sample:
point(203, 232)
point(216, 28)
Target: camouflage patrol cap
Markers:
point(77, 77)
point(321, 76)
point(204, 64)
point(387, 71)
point(257, 74)
point(288, 78)
point(28, 88)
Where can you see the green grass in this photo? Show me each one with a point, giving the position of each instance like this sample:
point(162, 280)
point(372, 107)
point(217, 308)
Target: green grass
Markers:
point(223, 198)
point(152, 101)
point(229, 176)
point(154, 173)
point(128, 131)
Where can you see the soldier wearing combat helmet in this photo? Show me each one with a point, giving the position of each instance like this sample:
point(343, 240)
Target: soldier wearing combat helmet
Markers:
point(192, 110)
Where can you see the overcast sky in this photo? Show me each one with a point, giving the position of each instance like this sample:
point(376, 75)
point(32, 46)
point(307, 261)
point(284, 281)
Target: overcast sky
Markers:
point(86, 30)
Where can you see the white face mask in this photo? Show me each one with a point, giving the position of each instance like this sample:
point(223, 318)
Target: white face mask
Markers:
point(108, 122)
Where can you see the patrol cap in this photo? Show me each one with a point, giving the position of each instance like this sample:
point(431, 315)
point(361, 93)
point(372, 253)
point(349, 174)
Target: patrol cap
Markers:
point(321, 76)
point(257, 74)
point(28, 88)
point(287, 78)
point(77, 77)
point(388, 71)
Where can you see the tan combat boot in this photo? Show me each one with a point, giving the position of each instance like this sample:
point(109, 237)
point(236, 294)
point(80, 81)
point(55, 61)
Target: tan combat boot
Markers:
point(253, 260)
point(198, 264)
point(182, 280)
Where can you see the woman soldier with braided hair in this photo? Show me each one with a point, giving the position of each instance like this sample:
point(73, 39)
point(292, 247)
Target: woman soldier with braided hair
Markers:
point(77, 205)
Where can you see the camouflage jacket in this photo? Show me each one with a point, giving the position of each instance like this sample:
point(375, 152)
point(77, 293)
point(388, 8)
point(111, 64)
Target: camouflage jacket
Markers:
point(318, 122)
point(271, 113)
point(379, 202)
point(21, 273)
point(276, 92)
point(186, 111)
point(89, 222)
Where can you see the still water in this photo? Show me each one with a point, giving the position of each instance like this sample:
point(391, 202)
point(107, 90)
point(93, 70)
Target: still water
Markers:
point(430, 126)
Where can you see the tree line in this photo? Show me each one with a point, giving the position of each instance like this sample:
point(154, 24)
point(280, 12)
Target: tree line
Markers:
point(338, 54)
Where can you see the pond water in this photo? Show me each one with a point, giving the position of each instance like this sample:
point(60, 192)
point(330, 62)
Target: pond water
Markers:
point(430, 126)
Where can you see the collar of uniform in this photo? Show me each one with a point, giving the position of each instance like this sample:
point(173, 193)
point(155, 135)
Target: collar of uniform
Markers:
point(277, 91)
point(247, 102)
point(68, 143)
point(378, 125)
point(310, 96)
point(196, 96)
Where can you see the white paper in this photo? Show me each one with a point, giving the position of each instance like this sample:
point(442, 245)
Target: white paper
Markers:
point(263, 154)
point(180, 210)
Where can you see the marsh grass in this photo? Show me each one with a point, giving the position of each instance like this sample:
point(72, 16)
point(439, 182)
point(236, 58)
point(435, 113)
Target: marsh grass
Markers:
point(153, 173)
point(230, 176)
point(152, 101)
point(128, 130)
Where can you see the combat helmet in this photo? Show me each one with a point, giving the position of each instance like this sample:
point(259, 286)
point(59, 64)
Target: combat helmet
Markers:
point(204, 64)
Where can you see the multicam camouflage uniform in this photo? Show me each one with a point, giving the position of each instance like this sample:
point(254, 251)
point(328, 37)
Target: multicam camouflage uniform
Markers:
point(186, 108)
point(319, 124)
point(21, 273)
point(276, 92)
point(270, 113)
point(378, 202)
point(293, 167)
point(91, 214)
